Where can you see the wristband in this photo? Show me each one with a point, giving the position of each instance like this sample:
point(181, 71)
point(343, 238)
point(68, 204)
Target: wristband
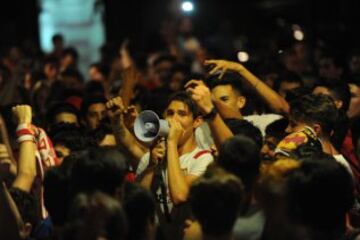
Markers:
point(26, 137)
point(211, 115)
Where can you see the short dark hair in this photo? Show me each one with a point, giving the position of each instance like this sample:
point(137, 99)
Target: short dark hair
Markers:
point(74, 73)
point(229, 78)
point(216, 199)
point(90, 101)
point(320, 192)
point(57, 37)
point(51, 60)
point(164, 58)
point(72, 52)
point(339, 91)
point(60, 107)
point(100, 169)
point(311, 109)
point(277, 129)
point(288, 76)
point(103, 68)
point(185, 98)
point(94, 89)
point(240, 155)
point(70, 136)
point(244, 127)
point(139, 206)
point(57, 188)
point(95, 215)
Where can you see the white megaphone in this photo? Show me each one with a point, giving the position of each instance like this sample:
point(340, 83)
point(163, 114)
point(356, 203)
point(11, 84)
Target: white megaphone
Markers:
point(148, 126)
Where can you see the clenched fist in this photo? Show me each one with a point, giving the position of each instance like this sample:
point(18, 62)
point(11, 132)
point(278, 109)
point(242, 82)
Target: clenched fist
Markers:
point(201, 95)
point(22, 114)
point(115, 108)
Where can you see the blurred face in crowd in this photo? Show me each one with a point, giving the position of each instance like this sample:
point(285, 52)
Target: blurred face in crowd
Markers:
point(180, 112)
point(95, 113)
point(287, 86)
point(50, 71)
point(268, 149)
point(328, 70)
point(162, 71)
point(66, 117)
point(230, 97)
point(95, 74)
point(67, 60)
point(177, 81)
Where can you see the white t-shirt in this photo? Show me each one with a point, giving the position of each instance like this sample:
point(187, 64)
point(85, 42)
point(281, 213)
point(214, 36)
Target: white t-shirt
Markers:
point(193, 163)
point(263, 120)
point(205, 140)
point(340, 159)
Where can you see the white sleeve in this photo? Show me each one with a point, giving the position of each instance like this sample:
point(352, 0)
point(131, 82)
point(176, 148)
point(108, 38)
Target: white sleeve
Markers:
point(144, 162)
point(198, 166)
point(203, 136)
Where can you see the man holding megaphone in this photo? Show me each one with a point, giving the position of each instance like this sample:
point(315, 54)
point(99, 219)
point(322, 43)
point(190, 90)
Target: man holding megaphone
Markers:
point(174, 160)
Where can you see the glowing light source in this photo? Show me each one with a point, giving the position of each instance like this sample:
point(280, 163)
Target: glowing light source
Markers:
point(187, 6)
point(243, 56)
point(298, 35)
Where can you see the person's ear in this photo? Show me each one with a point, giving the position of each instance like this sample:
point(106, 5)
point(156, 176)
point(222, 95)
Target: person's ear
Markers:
point(241, 101)
point(197, 122)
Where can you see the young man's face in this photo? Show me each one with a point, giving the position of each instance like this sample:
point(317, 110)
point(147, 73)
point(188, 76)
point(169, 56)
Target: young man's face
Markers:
point(95, 113)
point(227, 95)
point(180, 112)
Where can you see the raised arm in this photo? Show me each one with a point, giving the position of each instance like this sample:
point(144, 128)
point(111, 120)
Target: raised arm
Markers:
point(202, 96)
point(26, 171)
point(271, 97)
point(179, 184)
point(116, 111)
point(130, 78)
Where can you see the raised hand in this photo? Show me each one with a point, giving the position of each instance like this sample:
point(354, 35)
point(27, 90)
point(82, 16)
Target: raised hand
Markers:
point(130, 114)
point(22, 114)
point(201, 95)
point(222, 66)
point(176, 131)
point(157, 152)
point(115, 109)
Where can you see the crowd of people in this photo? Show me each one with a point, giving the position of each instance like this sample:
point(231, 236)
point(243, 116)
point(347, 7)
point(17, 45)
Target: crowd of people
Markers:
point(265, 151)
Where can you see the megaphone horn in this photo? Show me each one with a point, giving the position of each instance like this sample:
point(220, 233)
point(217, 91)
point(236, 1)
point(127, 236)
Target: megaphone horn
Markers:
point(148, 126)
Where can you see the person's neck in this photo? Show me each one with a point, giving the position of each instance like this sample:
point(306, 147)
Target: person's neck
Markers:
point(328, 147)
point(223, 237)
point(188, 146)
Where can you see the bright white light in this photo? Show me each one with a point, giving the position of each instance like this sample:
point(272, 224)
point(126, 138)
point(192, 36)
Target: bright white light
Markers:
point(243, 56)
point(298, 35)
point(187, 6)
